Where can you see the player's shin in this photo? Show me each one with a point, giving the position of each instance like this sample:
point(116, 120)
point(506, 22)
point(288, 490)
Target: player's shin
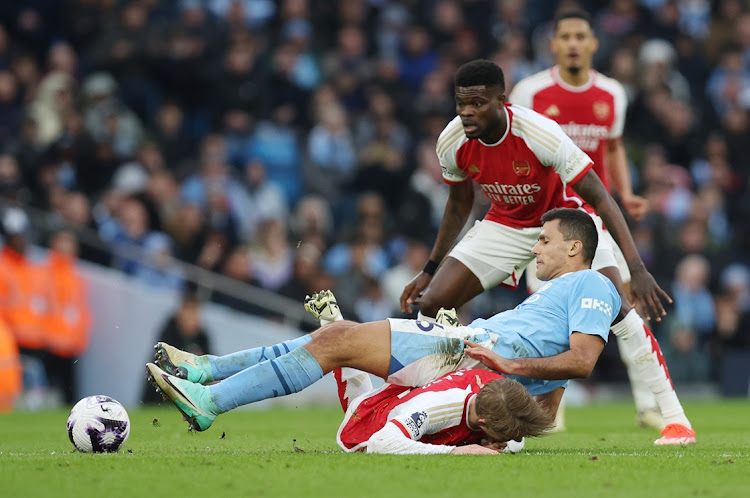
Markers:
point(639, 346)
point(648, 412)
point(287, 374)
point(223, 367)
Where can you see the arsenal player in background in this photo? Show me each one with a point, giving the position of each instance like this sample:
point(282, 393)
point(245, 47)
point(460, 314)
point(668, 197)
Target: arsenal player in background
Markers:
point(590, 108)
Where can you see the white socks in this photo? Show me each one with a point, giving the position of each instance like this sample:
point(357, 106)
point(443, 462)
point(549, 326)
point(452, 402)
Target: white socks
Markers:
point(643, 355)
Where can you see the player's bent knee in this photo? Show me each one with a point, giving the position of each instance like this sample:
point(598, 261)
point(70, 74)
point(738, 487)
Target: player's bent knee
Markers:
point(331, 344)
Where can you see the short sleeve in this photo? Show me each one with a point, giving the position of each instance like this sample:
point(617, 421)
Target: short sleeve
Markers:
point(593, 305)
point(448, 143)
point(621, 107)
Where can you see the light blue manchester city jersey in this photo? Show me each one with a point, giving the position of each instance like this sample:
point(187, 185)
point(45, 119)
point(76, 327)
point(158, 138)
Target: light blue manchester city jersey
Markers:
point(584, 301)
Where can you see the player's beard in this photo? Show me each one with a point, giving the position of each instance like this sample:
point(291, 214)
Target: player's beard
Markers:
point(574, 70)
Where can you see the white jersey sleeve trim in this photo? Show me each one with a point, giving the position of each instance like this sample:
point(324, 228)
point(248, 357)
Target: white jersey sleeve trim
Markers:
point(615, 88)
point(448, 143)
point(525, 90)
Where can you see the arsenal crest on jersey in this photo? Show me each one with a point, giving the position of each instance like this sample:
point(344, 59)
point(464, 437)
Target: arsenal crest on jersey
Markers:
point(601, 110)
point(521, 168)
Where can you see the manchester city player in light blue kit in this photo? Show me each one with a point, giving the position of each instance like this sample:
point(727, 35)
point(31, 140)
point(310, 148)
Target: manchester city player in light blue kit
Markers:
point(556, 334)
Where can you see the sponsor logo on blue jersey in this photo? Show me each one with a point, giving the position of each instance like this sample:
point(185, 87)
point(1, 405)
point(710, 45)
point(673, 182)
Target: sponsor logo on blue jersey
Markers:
point(596, 304)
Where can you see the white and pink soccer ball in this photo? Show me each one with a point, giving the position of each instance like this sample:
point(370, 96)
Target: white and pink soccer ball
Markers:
point(98, 424)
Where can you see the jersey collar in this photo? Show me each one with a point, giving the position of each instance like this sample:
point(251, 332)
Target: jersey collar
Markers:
point(507, 129)
point(572, 88)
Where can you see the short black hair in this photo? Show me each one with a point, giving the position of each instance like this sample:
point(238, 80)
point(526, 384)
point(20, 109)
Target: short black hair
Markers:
point(573, 14)
point(480, 72)
point(576, 225)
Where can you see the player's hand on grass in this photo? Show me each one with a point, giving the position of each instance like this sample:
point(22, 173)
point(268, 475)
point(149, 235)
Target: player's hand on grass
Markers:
point(488, 358)
point(472, 449)
point(413, 290)
point(647, 295)
point(492, 444)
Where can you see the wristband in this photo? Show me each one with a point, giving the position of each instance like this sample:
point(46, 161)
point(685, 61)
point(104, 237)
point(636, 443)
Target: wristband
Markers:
point(430, 267)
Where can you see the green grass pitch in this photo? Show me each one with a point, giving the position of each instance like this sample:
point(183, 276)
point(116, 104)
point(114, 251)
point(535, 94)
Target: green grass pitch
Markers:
point(286, 452)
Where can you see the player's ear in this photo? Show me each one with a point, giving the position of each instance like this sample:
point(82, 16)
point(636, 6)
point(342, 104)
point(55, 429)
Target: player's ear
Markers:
point(576, 248)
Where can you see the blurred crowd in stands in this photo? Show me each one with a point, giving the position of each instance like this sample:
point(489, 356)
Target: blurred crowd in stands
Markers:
point(290, 144)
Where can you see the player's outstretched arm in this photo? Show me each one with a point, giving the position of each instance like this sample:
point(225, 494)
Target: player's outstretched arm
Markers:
point(576, 363)
point(473, 449)
point(457, 210)
point(646, 294)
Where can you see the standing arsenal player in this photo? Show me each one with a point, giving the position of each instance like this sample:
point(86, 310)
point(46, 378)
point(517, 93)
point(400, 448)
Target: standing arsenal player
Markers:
point(524, 163)
point(590, 108)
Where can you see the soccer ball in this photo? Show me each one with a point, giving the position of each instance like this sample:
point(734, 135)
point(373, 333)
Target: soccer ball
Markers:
point(98, 424)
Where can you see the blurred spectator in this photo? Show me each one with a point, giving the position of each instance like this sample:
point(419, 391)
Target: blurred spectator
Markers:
point(239, 82)
point(266, 198)
point(312, 222)
point(122, 51)
point(54, 100)
point(372, 304)
point(307, 276)
point(276, 143)
point(694, 305)
point(75, 215)
point(332, 157)
point(395, 279)
point(25, 296)
point(238, 266)
point(363, 254)
point(254, 13)
point(417, 58)
point(727, 87)
point(11, 381)
point(183, 330)
point(107, 119)
point(213, 189)
point(12, 188)
point(158, 268)
point(11, 107)
point(170, 132)
point(70, 314)
point(687, 361)
point(271, 255)
point(131, 235)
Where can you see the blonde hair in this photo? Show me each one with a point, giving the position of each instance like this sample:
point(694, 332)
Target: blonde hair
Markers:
point(509, 411)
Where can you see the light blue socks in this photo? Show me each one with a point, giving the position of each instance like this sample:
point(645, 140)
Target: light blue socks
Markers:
point(287, 374)
point(228, 365)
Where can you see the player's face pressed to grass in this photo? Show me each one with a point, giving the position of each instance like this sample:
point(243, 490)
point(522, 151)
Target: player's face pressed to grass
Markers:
point(482, 112)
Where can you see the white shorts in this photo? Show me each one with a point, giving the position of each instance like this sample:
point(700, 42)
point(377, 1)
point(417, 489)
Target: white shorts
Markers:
point(496, 253)
point(607, 254)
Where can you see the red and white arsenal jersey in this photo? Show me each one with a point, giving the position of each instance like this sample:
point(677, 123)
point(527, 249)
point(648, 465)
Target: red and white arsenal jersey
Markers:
point(524, 174)
point(590, 114)
point(435, 413)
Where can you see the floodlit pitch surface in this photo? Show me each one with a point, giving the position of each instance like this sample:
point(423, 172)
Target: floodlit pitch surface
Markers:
point(293, 453)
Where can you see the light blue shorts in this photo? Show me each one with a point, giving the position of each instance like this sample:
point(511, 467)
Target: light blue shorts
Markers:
point(422, 351)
